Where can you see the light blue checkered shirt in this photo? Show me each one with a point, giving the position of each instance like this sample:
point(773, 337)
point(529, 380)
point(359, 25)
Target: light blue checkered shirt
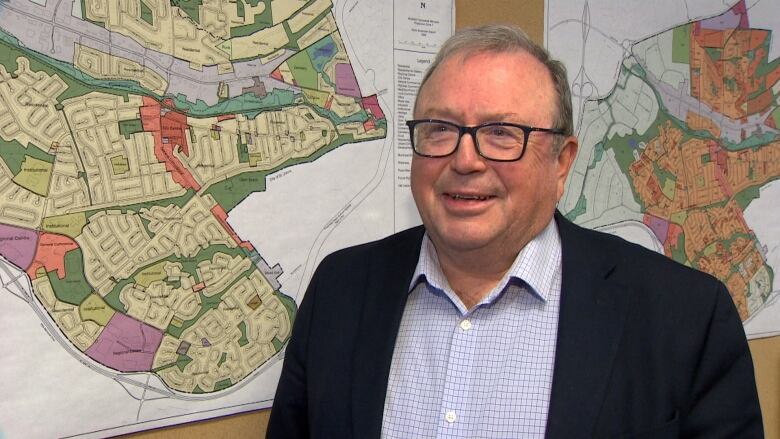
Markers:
point(483, 373)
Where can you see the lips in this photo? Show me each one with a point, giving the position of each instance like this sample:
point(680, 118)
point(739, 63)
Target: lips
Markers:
point(469, 197)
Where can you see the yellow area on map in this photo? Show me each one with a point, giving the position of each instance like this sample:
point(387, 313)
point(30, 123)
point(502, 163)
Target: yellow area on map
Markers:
point(326, 26)
point(301, 19)
point(669, 188)
point(119, 164)
point(151, 305)
point(223, 90)
point(95, 121)
point(275, 136)
point(220, 271)
point(103, 65)
point(28, 102)
point(172, 31)
point(283, 9)
point(344, 106)
point(266, 59)
point(679, 217)
point(358, 131)
point(710, 249)
point(255, 159)
point(69, 224)
point(151, 274)
point(95, 309)
point(21, 207)
point(264, 322)
point(229, 13)
point(316, 97)
point(116, 244)
point(201, 44)
point(34, 175)
point(29, 115)
point(68, 318)
point(262, 43)
point(225, 68)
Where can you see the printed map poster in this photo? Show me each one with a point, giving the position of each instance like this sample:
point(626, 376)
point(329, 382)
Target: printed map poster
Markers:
point(170, 173)
point(677, 112)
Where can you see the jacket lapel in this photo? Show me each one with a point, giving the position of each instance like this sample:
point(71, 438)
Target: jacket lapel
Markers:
point(592, 314)
point(387, 288)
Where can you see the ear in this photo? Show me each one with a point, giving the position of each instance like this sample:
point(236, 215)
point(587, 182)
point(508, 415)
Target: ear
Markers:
point(565, 161)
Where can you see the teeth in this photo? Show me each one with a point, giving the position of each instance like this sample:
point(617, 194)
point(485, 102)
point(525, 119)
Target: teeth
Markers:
point(468, 197)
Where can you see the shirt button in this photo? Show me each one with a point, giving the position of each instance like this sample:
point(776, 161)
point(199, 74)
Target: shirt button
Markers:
point(465, 324)
point(450, 416)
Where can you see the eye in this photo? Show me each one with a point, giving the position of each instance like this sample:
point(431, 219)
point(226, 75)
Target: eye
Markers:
point(497, 131)
point(436, 131)
point(501, 136)
point(439, 128)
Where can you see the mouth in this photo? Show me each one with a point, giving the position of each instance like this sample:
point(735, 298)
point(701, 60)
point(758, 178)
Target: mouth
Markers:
point(468, 197)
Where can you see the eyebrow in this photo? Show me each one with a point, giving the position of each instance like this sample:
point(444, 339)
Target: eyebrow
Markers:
point(443, 113)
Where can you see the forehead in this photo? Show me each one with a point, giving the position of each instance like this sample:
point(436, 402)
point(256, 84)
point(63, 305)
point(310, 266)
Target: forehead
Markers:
point(485, 83)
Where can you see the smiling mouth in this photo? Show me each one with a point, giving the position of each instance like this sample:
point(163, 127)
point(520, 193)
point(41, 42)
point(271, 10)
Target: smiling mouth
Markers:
point(470, 197)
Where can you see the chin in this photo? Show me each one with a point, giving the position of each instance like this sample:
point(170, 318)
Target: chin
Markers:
point(466, 240)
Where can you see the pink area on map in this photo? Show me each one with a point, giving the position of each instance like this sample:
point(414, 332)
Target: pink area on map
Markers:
point(720, 157)
point(222, 216)
point(346, 83)
point(734, 18)
point(126, 344)
point(17, 245)
point(371, 104)
point(659, 226)
point(50, 255)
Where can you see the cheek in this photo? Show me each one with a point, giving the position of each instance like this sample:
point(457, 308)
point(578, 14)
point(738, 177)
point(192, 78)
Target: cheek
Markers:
point(529, 184)
point(423, 175)
point(414, 176)
point(420, 184)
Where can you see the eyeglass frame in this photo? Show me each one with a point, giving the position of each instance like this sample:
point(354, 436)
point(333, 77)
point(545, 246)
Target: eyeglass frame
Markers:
point(472, 130)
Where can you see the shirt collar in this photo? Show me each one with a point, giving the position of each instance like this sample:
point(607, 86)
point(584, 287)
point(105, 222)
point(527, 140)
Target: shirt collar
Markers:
point(535, 265)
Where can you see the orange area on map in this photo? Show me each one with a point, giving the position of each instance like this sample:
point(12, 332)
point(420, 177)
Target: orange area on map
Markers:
point(697, 122)
point(221, 216)
point(704, 180)
point(50, 254)
point(705, 173)
point(169, 129)
point(726, 70)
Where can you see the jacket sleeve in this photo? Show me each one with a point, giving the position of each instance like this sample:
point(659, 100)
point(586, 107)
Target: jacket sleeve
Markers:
point(289, 414)
point(724, 401)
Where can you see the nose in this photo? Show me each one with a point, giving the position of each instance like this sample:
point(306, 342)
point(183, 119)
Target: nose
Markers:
point(466, 158)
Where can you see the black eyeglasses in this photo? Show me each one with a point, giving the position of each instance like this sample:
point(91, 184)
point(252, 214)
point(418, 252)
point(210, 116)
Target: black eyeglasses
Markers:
point(497, 141)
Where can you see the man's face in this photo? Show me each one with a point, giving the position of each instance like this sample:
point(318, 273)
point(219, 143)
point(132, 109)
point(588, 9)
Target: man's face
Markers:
point(470, 203)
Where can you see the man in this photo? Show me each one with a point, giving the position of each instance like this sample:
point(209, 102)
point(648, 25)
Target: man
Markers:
point(499, 318)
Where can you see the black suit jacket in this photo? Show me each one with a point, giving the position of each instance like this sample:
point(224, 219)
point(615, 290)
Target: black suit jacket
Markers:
point(646, 347)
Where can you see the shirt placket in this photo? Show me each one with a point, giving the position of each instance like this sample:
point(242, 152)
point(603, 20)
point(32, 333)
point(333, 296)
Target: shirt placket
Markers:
point(457, 396)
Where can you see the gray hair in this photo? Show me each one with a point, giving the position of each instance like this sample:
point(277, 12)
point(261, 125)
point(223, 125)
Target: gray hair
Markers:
point(498, 38)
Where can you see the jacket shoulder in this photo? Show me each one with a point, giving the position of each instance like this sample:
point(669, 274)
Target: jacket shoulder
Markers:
point(400, 245)
point(586, 246)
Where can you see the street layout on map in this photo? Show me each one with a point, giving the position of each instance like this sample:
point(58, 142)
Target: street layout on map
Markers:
point(691, 127)
point(118, 170)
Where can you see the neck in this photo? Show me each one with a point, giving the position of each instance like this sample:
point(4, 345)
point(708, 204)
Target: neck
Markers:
point(473, 274)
